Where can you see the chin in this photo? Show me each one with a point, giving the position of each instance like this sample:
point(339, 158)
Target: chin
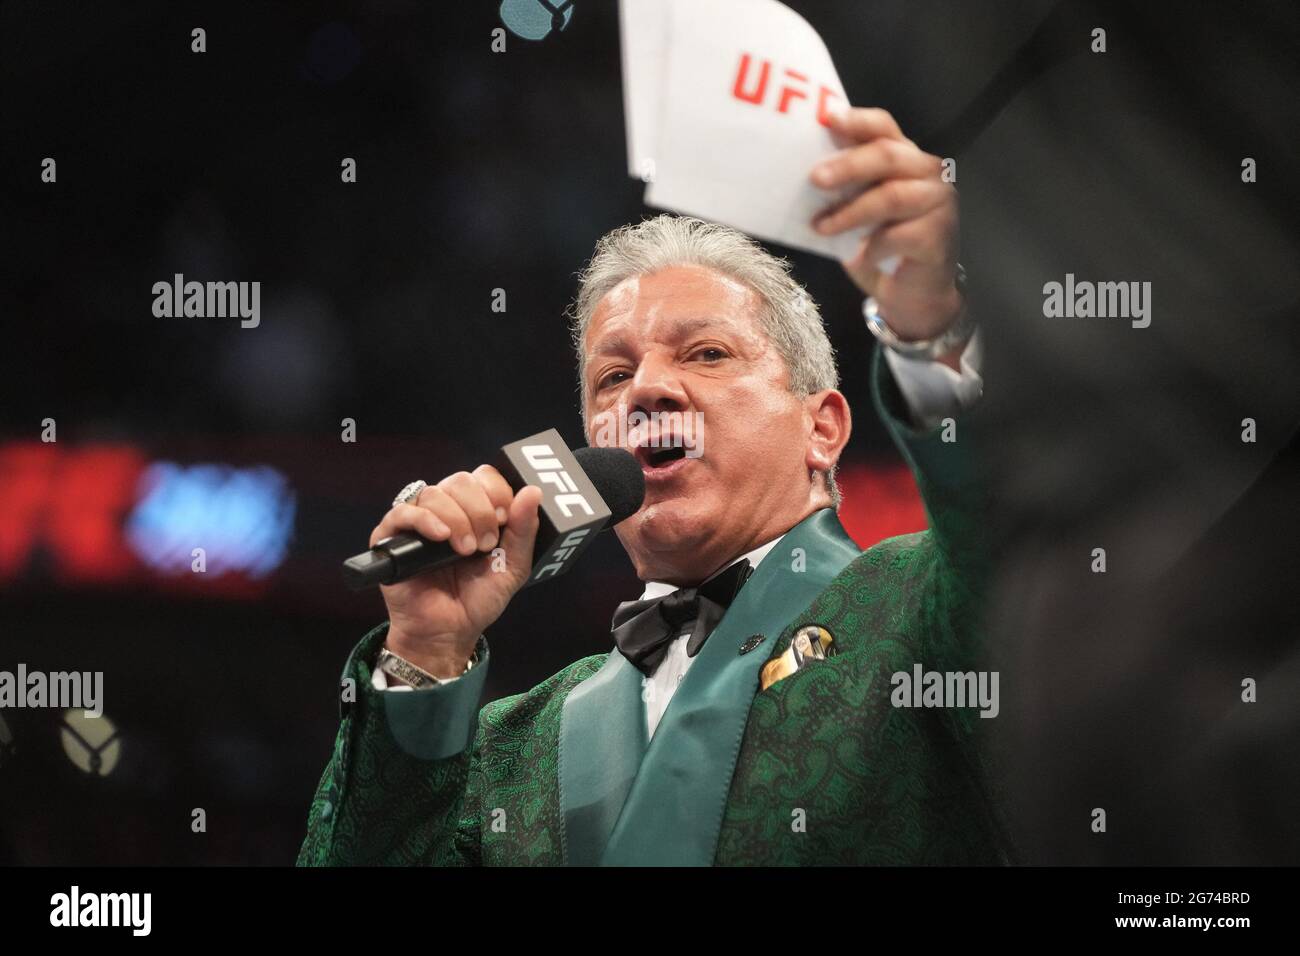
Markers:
point(675, 525)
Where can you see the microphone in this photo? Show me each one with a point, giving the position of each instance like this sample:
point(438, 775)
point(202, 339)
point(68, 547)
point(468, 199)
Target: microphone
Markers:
point(583, 493)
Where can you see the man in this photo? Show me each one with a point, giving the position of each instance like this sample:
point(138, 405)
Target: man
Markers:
point(745, 715)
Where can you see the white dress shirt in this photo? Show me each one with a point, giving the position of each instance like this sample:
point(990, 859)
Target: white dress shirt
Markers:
point(657, 689)
point(932, 391)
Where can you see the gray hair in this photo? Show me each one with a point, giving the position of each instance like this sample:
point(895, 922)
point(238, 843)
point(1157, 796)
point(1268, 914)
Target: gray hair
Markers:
point(789, 316)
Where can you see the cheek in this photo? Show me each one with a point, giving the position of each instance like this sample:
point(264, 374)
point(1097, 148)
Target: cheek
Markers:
point(754, 430)
point(598, 428)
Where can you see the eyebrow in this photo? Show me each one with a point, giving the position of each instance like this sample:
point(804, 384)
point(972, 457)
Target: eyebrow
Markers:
point(617, 344)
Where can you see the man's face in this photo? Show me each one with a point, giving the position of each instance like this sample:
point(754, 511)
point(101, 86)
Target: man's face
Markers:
point(688, 340)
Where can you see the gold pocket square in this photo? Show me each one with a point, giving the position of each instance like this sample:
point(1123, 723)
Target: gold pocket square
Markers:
point(811, 643)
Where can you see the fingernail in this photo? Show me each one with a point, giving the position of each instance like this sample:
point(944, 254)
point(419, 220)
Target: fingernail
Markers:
point(486, 542)
point(467, 543)
point(439, 529)
point(502, 516)
point(824, 174)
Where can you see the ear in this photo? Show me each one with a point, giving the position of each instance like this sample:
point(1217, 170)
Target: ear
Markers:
point(829, 426)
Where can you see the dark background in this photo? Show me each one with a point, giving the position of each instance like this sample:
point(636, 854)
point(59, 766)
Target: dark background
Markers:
point(478, 171)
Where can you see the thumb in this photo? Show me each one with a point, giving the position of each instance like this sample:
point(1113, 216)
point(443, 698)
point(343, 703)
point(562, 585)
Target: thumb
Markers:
point(520, 532)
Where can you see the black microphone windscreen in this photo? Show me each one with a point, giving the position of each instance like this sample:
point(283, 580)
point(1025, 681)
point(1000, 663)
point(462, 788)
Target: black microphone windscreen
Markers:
point(617, 476)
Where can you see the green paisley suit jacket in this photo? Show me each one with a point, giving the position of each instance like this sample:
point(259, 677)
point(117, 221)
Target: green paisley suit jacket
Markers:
point(820, 768)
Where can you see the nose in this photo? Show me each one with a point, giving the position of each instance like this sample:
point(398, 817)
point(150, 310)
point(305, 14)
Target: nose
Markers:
point(656, 387)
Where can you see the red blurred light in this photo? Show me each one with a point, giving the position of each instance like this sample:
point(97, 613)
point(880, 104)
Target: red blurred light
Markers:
point(71, 504)
point(879, 501)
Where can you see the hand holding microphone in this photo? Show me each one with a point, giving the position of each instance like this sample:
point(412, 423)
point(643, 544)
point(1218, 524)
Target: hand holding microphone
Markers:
point(451, 559)
point(434, 619)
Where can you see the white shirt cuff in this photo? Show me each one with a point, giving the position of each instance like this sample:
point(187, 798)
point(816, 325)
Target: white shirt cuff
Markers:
point(932, 390)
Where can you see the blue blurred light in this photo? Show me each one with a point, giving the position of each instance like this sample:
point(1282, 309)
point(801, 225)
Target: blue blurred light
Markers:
point(242, 518)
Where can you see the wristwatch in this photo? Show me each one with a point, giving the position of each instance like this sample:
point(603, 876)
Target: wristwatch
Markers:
point(417, 677)
point(957, 334)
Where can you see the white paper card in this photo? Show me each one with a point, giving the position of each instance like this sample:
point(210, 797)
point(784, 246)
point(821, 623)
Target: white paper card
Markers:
point(641, 30)
point(723, 101)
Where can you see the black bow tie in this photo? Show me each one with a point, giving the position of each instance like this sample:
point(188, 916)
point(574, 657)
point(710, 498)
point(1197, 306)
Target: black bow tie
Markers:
point(644, 629)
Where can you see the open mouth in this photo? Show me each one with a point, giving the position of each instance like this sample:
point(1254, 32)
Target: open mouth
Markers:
point(658, 457)
point(655, 460)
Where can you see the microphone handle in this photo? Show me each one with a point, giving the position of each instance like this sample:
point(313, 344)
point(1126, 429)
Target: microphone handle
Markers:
point(397, 558)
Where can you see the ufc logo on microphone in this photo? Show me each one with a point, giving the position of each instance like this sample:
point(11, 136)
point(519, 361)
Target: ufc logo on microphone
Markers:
point(561, 554)
point(549, 470)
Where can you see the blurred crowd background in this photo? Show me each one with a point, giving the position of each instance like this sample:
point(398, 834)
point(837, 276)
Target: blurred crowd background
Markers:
point(479, 171)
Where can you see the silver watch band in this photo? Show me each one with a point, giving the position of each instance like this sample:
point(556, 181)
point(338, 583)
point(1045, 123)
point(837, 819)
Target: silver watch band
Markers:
point(956, 335)
point(409, 673)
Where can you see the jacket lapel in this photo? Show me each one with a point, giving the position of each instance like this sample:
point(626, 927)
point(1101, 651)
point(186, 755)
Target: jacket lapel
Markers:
point(674, 805)
point(602, 741)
